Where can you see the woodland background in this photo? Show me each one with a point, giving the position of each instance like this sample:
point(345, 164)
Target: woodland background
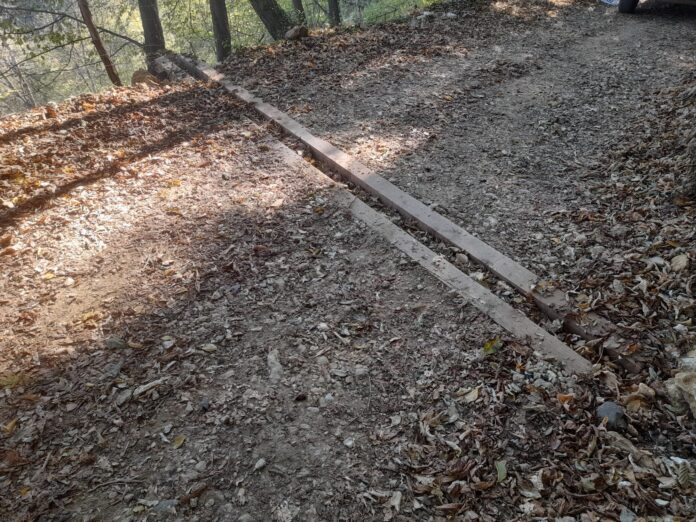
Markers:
point(46, 53)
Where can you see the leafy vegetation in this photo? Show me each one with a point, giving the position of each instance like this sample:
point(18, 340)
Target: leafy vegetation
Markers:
point(46, 54)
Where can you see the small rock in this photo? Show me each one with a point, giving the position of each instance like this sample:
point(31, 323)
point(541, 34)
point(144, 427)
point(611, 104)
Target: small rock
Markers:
point(260, 464)
point(461, 259)
point(113, 369)
point(167, 428)
point(627, 515)
point(297, 32)
point(205, 404)
point(275, 369)
point(167, 506)
point(616, 418)
point(326, 400)
point(349, 442)
point(123, 397)
point(596, 251)
point(360, 371)
point(209, 348)
point(618, 231)
point(115, 343)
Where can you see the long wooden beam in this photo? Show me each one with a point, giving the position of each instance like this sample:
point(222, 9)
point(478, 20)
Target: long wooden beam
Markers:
point(553, 303)
point(512, 320)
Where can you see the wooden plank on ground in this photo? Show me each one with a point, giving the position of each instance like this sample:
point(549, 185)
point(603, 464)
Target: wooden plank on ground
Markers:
point(554, 304)
point(512, 320)
point(355, 172)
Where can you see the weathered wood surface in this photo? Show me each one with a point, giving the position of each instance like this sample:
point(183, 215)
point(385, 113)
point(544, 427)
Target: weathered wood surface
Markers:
point(512, 320)
point(554, 304)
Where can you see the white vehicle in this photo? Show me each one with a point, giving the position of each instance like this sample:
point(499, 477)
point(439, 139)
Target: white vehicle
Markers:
point(629, 6)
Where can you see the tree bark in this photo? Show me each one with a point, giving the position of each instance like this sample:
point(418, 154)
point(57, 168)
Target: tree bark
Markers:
point(221, 29)
point(300, 12)
point(334, 13)
point(152, 29)
point(98, 44)
point(273, 17)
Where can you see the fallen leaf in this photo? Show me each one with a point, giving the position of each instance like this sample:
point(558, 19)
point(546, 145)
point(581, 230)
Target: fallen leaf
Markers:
point(471, 395)
point(679, 263)
point(179, 441)
point(564, 398)
point(11, 380)
point(492, 345)
point(501, 468)
point(11, 426)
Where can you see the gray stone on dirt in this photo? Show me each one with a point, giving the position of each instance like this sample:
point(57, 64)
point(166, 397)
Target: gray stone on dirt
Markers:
point(627, 515)
point(168, 505)
point(275, 369)
point(115, 343)
point(113, 369)
point(616, 418)
point(123, 397)
point(618, 231)
point(360, 371)
point(326, 400)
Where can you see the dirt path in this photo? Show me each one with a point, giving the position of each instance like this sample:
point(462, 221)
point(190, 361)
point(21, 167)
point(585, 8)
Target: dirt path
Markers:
point(509, 124)
point(191, 330)
point(508, 128)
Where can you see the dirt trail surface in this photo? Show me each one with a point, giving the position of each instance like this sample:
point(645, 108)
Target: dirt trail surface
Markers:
point(192, 330)
point(504, 124)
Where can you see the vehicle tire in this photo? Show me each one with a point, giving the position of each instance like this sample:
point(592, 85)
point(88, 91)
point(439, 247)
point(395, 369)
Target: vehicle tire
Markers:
point(627, 6)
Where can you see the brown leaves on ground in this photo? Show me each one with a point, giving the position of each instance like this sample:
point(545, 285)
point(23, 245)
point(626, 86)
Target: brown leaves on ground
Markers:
point(645, 247)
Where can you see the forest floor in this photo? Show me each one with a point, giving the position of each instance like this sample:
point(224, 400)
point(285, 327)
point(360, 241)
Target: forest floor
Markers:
point(192, 330)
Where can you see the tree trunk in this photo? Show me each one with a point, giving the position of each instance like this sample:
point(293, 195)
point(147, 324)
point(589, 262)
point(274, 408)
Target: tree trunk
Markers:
point(334, 13)
point(221, 29)
point(98, 44)
point(273, 17)
point(25, 92)
point(152, 29)
point(299, 11)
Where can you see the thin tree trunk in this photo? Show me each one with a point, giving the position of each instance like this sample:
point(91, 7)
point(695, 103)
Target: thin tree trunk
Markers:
point(300, 12)
point(273, 17)
point(334, 13)
point(26, 94)
point(152, 29)
point(98, 44)
point(221, 29)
